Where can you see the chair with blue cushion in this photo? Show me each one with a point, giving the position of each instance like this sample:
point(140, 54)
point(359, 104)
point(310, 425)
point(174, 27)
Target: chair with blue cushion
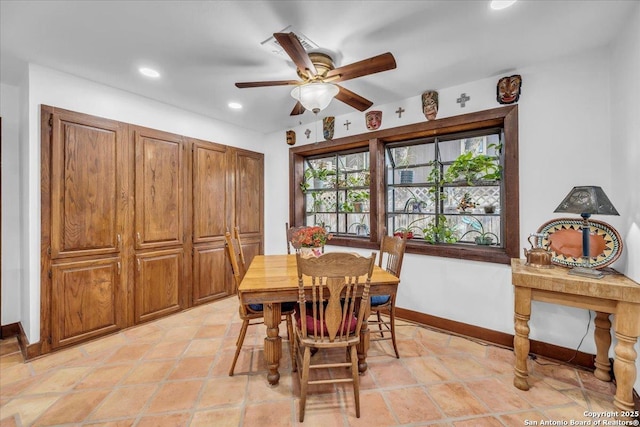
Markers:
point(331, 317)
point(391, 254)
point(250, 312)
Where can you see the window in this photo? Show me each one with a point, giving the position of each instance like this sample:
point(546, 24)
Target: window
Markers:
point(452, 182)
point(447, 189)
point(337, 193)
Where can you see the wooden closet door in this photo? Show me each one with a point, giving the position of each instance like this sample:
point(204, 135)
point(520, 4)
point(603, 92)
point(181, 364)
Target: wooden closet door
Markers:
point(160, 272)
point(85, 298)
point(249, 193)
point(211, 217)
point(87, 173)
point(159, 189)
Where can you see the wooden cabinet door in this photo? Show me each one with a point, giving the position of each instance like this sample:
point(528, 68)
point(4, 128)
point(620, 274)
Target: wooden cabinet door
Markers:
point(212, 277)
point(158, 284)
point(248, 192)
point(159, 189)
point(87, 176)
point(86, 300)
point(210, 192)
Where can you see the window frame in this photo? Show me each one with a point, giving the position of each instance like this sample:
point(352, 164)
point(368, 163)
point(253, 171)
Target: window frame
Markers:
point(504, 117)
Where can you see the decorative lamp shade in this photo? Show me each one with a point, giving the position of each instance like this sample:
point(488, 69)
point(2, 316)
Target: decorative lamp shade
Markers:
point(315, 96)
point(587, 200)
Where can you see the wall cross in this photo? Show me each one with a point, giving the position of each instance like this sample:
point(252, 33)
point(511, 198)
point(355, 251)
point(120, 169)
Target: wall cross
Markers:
point(463, 99)
point(399, 111)
point(347, 123)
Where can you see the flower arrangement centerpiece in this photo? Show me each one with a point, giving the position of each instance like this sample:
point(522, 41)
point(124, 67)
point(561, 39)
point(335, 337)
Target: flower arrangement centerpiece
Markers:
point(311, 237)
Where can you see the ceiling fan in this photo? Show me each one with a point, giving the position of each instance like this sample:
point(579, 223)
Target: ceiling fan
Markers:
point(316, 68)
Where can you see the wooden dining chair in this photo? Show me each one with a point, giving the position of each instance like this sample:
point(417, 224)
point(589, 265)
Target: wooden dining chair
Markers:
point(291, 231)
point(392, 250)
point(251, 312)
point(332, 318)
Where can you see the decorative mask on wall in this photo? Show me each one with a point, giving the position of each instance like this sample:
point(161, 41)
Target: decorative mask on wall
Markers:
point(508, 89)
point(328, 125)
point(430, 104)
point(291, 137)
point(373, 119)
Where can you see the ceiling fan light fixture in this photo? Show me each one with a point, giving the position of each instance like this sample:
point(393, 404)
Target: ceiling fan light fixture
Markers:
point(501, 4)
point(315, 96)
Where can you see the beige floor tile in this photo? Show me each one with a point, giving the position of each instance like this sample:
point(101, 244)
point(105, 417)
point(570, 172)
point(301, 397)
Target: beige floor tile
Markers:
point(223, 391)
point(223, 417)
point(59, 381)
point(72, 408)
point(28, 409)
point(167, 350)
point(501, 398)
point(269, 413)
point(124, 402)
point(391, 373)
point(167, 420)
point(175, 396)
point(455, 400)
point(373, 411)
point(412, 405)
point(104, 376)
point(191, 367)
point(149, 372)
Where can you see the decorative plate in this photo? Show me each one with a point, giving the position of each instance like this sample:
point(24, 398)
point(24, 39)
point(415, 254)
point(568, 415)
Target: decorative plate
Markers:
point(564, 240)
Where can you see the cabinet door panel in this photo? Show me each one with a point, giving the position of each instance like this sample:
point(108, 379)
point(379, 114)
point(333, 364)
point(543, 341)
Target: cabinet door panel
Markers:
point(158, 284)
point(249, 192)
point(210, 204)
point(211, 273)
point(85, 300)
point(87, 171)
point(159, 207)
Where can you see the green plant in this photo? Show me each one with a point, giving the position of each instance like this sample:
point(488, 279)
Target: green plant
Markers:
point(440, 231)
point(320, 173)
point(409, 229)
point(483, 237)
point(472, 167)
point(414, 203)
point(361, 227)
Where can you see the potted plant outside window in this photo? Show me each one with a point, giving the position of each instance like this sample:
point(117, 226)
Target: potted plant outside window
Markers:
point(483, 237)
point(440, 231)
point(470, 167)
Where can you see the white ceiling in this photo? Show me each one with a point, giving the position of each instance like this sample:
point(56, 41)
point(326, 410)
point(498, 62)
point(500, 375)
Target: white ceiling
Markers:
point(203, 47)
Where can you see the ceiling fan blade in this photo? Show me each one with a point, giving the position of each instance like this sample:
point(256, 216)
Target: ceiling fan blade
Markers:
point(297, 109)
point(353, 99)
point(373, 65)
point(268, 83)
point(295, 50)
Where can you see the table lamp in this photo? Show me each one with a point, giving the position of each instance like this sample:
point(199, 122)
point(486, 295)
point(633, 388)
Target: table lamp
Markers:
point(586, 200)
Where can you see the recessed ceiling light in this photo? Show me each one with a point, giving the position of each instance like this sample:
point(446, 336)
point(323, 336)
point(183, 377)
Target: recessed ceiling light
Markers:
point(235, 105)
point(149, 72)
point(501, 4)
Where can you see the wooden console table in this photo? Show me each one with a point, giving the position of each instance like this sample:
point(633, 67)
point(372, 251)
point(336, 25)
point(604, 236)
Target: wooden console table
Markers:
point(613, 294)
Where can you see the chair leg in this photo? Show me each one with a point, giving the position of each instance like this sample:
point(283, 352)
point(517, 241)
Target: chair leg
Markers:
point(380, 323)
point(291, 342)
point(356, 379)
point(243, 332)
point(392, 319)
point(305, 380)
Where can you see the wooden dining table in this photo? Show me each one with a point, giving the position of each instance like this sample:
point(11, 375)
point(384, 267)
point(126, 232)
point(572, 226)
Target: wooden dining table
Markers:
point(273, 279)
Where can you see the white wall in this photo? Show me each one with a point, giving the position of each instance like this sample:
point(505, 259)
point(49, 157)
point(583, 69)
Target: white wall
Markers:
point(11, 218)
point(625, 140)
point(564, 140)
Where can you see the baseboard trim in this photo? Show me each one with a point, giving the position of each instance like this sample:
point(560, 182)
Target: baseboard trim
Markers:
point(539, 348)
point(29, 351)
point(10, 330)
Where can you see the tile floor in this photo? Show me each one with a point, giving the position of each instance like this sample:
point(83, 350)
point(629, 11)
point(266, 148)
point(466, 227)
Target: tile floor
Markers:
point(173, 372)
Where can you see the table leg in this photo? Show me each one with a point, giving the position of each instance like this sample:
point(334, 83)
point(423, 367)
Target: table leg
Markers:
point(363, 346)
point(624, 367)
point(521, 344)
point(272, 342)
point(602, 337)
